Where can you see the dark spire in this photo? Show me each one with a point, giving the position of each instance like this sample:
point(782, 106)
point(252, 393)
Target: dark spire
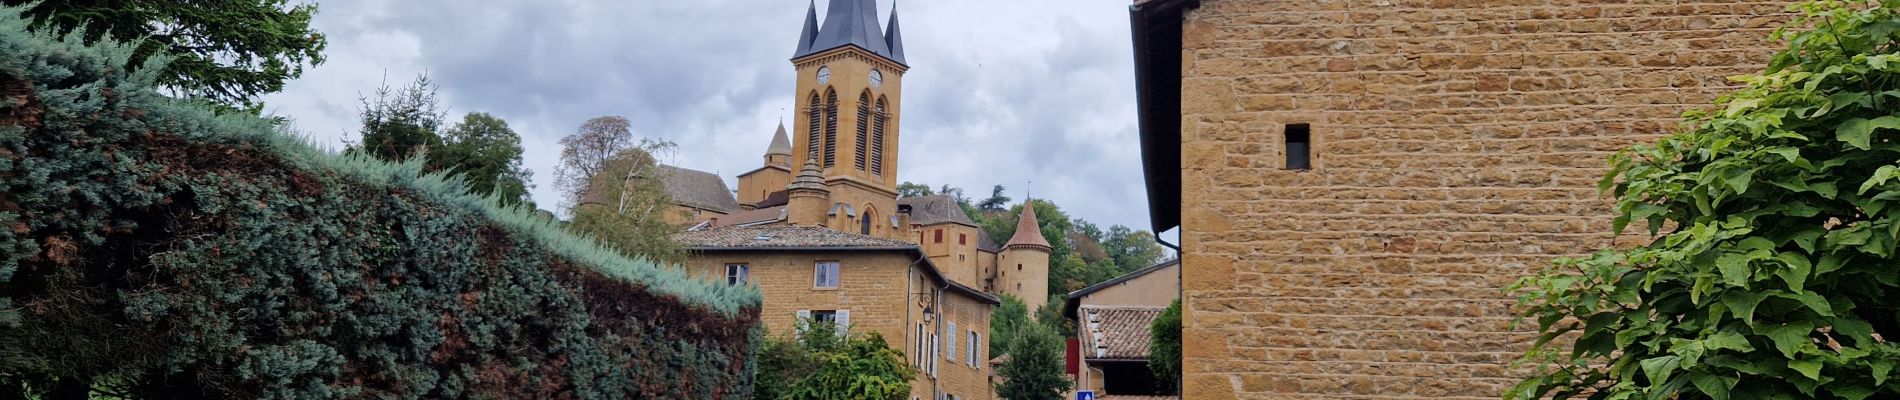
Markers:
point(850, 23)
point(811, 30)
point(892, 39)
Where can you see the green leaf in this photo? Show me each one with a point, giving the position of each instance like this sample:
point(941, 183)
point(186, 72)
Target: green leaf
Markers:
point(1658, 369)
point(1808, 368)
point(1727, 340)
point(1738, 179)
point(1787, 153)
point(1829, 263)
point(1734, 268)
point(1881, 369)
point(1882, 175)
point(1795, 273)
point(1789, 338)
point(1812, 300)
point(1743, 303)
point(1715, 386)
point(1859, 132)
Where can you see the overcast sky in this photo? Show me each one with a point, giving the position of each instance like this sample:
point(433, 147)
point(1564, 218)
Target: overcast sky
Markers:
point(1000, 92)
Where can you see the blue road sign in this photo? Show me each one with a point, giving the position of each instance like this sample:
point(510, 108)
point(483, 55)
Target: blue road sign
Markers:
point(1085, 395)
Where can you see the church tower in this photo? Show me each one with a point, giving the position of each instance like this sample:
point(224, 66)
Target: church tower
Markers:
point(850, 81)
point(1022, 270)
point(760, 183)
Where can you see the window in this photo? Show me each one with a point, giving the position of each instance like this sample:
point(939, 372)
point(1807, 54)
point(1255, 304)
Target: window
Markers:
point(963, 239)
point(839, 318)
point(738, 274)
point(939, 236)
point(974, 355)
point(877, 138)
point(1019, 267)
point(825, 275)
point(864, 224)
point(813, 125)
point(864, 123)
point(950, 346)
point(831, 127)
point(918, 355)
point(1299, 147)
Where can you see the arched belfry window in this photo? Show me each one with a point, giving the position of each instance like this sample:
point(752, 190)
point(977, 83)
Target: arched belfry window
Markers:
point(812, 114)
point(864, 120)
point(831, 127)
point(877, 137)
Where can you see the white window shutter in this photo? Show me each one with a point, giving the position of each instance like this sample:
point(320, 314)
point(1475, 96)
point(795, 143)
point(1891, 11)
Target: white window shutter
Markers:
point(950, 346)
point(844, 320)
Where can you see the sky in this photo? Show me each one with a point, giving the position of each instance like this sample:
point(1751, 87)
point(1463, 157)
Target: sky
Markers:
point(1037, 96)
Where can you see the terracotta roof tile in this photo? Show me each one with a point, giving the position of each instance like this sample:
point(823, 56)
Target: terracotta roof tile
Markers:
point(1028, 231)
point(782, 236)
point(751, 217)
point(1117, 333)
point(935, 209)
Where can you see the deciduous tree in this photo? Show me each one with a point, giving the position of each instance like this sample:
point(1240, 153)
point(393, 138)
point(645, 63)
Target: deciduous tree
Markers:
point(625, 208)
point(1034, 369)
point(487, 154)
point(1004, 322)
point(1164, 349)
point(586, 152)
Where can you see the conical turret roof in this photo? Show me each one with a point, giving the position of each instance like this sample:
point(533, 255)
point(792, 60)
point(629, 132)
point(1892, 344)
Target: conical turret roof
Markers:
point(848, 23)
point(1028, 230)
point(781, 144)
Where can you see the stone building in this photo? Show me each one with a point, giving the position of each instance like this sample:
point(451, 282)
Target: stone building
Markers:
point(1355, 182)
point(819, 229)
point(862, 283)
point(1113, 321)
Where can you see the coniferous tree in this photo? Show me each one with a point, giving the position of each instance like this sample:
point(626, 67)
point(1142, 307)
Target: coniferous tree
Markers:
point(227, 51)
point(401, 123)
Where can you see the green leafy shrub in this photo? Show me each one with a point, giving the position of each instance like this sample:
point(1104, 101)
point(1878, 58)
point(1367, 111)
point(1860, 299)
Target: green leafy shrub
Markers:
point(153, 249)
point(826, 363)
point(1772, 274)
point(1164, 354)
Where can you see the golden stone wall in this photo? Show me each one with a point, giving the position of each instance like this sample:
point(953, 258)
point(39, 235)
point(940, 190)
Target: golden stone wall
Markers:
point(1023, 271)
point(1457, 145)
point(885, 293)
point(956, 255)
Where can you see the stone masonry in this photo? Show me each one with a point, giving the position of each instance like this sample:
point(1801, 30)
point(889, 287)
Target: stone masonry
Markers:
point(1457, 146)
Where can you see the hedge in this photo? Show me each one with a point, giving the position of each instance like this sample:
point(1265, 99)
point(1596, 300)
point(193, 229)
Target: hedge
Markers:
point(151, 248)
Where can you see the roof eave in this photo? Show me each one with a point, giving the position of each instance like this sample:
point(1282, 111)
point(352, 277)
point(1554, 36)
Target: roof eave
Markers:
point(1156, 27)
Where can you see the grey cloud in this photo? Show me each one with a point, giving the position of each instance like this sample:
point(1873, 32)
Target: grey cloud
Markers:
point(1001, 91)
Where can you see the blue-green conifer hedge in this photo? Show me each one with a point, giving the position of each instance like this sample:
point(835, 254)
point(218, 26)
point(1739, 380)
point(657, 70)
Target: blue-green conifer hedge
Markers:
point(149, 247)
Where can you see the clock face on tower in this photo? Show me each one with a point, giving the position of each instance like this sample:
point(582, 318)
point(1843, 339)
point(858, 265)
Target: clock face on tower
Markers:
point(824, 75)
point(877, 78)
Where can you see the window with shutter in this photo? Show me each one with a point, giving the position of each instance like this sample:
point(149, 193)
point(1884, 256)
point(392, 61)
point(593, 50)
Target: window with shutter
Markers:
point(950, 346)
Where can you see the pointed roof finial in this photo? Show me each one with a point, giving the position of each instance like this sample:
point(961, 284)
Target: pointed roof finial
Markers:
point(893, 39)
point(810, 34)
point(781, 144)
point(850, 23)
point(1028, 230)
